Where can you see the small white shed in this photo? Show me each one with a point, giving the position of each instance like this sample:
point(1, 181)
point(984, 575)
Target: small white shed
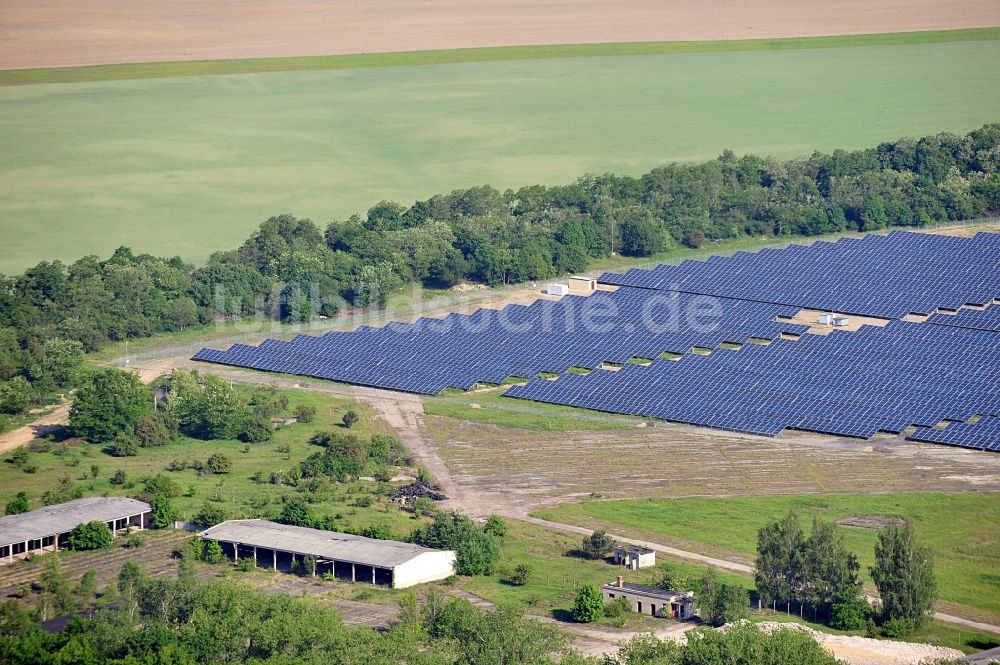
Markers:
point(557, 289)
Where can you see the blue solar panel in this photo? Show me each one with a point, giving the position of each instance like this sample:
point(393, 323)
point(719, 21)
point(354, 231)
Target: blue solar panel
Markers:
point(490, 346)
point(984, 434)
point(847, 384)
point(884, 276)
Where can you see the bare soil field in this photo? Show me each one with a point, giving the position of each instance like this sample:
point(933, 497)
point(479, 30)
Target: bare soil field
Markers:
point(521, 470)
point(64, 33)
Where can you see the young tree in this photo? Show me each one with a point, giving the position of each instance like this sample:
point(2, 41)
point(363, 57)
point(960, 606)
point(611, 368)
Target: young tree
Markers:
point(257, 429)
point(213, 552)
point(209, 515)
point(904, 575)
point(850, 609)
point(163, 512)
point(18, 505)
point(598, 545)
point(351, 418)
point(57, 597)
point(110, 402)
point(719, 603)
point(589, 604)
point(86, 588)
point(779, 559)
point(304, 414)
point(520, 575)
point(296, 511)
point(15, 395)
point(90, 536)
point(827, 566)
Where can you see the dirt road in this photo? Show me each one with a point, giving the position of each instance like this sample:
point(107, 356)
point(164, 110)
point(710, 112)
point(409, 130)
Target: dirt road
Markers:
point(66, 33)
point(24, 435)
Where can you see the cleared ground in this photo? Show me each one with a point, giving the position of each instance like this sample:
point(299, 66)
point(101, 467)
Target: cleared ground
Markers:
point(57, 33)
point(191, 165)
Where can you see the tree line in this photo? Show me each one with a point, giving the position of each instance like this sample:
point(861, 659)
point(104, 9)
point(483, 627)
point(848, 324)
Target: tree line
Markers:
point(186, 621)
point(819, 572)
point(293, 270)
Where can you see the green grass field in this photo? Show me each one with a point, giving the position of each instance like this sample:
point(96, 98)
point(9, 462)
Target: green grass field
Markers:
point(235, 491)
point(191, 164)
point(959, 528)
point(493, 408)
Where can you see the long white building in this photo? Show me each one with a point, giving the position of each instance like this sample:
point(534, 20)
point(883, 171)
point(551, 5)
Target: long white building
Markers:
point(46, 529)
point(382, 562)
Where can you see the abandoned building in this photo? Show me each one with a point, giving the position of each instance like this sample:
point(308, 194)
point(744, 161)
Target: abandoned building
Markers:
point(634, 557)
point(381, 562)
point(47, 529)
point(651, 600)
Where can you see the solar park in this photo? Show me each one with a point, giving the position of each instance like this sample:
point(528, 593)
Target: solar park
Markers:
point(930, 370)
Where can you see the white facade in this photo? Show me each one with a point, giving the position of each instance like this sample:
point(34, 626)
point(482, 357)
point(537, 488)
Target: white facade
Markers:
point(634, 557)
point(651, 601)
point(557, 289)
point(428, 567)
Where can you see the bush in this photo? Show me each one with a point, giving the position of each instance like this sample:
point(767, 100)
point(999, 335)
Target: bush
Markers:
point(119, 477)
point(589, 604)
point(477, 552)
point(350, 419)
point(219, 463)
point(134, 542)
point(495, 526)
point(125, 445)
point(213, 552)
point(305, 414)
point(90, 536)
point(257, 430)
point(520, 575)
point(617, 608)
point(850, 609)
point(18, 505)
point(383, 475)
point(15, 395)
point(151, 431)
point(209, 515)
point(897, 627)
point(598, 545)
point(245, 564)
point(163, 512)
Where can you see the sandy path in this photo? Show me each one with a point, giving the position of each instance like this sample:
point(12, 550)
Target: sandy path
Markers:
point(58, 33)
point(24, 435)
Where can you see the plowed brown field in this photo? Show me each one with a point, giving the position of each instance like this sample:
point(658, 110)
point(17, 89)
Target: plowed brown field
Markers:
point(59, 33)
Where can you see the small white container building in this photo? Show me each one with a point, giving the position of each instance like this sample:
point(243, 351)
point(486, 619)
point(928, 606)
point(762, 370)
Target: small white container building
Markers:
point(825, 318)
point(381, 562)
point(634, 557)
point(841, 321)
point(557, 289)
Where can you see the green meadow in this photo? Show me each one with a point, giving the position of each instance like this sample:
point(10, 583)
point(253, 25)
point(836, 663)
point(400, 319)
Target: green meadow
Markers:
point(960, 529)
point(189, 163)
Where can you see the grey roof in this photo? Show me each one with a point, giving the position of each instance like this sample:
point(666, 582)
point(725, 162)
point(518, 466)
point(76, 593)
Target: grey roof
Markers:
point(651, 591)
point(60, 518)
point(325, 544)
point(983, 657)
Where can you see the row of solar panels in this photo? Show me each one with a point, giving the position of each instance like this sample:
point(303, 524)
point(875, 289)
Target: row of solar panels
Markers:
point(979, 319)
point(984, 434)
point(883, 276)
point(848, 384)
point(490, 346)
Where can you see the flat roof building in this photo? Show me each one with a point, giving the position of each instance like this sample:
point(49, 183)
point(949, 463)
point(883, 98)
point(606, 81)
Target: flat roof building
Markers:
point(346, 556)
point(634, 557)
point(47, 529)
point(651, 600)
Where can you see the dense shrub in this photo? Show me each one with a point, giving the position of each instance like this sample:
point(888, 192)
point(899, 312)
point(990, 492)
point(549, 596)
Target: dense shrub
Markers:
point(90, 536)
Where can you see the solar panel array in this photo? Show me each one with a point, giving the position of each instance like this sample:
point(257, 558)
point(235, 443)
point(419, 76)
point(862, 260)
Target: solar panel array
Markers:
point(978, 319)
point(984, 434)
point(886, 276)
point(848, 384)
point(851, 384)
point(490, 346)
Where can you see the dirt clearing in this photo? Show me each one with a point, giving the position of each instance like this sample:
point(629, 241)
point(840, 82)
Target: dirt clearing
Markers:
point(65, 33)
